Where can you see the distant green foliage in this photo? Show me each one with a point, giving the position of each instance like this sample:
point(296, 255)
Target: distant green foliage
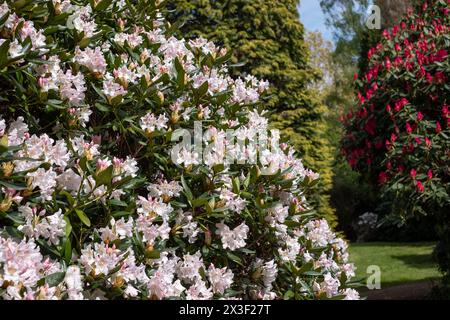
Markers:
point(268, 38)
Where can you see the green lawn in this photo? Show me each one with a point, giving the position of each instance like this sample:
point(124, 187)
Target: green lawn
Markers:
point(399, 262)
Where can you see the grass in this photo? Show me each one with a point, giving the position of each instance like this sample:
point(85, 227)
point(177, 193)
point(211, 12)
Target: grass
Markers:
point(399, 262)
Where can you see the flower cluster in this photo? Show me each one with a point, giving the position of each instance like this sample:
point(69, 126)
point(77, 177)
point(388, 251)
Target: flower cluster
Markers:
point(92, 205)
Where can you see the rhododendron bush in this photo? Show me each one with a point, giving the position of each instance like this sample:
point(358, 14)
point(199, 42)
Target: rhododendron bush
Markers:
point(95, 203)
point(399, 131)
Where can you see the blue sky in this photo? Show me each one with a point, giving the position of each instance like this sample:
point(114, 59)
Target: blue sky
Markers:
point(313, 19)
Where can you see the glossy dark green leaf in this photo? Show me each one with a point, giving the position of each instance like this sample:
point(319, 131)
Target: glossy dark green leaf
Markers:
point(104, 177)
point(83, 217)
point(187, 190)
point(54, 279)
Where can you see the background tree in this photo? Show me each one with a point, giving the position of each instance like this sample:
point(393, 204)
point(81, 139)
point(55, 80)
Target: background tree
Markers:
point(268, 41)
point(398, 132)
point(349, 58)
point(347, 18)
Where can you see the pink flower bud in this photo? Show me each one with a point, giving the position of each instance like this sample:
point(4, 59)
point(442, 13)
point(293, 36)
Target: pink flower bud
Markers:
point(430, 174)
point(413, 173)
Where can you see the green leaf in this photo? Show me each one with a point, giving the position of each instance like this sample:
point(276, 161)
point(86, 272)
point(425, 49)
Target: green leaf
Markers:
point(57, 104)
point(83, 164)
point(306, 267)
point(235, 258)
point(187, 190)
point(199, 202)
point(84, 42)
point(54, 279)
point(3, 19)
point(68, 229)
point(221, 60)
point(181, 74)
point(102, 5)
point(104, 177)
point(19, 4)
point(99, 91)
point(53, 29)
point(117, 203)
point(154, 254)
point(102, 107)
point(247, 251)
point(4, 144)
point(288, 295)
point(83, 217)
point(236, 185)
point(13, 232)
point(69, 197)
point(12, 186)
point(119, 214)
point(201, 91)
point(4, 48)
point(67, 251)
point(312, 273)
point(15, 217)
point(247, 181)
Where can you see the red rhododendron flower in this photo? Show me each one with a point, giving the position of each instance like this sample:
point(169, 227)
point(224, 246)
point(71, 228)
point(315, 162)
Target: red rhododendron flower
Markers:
point(441, 55)
point(387, 63)
point(383, 177)
point(393, 137)
point(413, 173)
point(419, 186)
point(445, 112)
point(408, 128)
point(419, 116)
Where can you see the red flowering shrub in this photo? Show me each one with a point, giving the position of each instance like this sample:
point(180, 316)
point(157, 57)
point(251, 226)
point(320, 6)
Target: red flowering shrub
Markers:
point(398, 133)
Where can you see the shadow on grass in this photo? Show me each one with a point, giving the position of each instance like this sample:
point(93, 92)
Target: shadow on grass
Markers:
point(389, 284)
point(419, 261)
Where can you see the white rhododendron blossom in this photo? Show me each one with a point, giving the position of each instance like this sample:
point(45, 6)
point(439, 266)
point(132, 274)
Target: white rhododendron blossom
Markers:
point(91, 59)
point(233, 239)
point(98, 200)
point(82, 21)
point(221, 278)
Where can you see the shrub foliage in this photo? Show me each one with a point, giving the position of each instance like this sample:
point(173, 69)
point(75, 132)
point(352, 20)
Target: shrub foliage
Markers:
point(93, 203)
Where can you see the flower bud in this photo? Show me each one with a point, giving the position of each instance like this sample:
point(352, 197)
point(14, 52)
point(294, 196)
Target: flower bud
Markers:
point(118, 282)
point(208, 237)
point(161, 97)
point(58, 8)
point(5, 204)
point(7, 168)
point(174, 117)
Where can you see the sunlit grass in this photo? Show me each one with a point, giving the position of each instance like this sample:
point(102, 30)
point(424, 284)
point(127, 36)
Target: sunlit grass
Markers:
point(399, 262)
